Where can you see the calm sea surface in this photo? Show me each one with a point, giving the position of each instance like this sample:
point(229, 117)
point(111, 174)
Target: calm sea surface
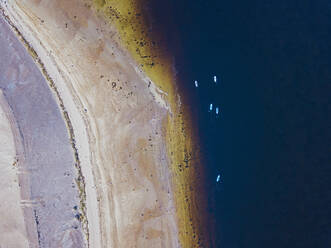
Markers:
point(271, 142)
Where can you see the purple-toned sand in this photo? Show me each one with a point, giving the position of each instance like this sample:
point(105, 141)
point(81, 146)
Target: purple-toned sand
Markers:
point(50, 196)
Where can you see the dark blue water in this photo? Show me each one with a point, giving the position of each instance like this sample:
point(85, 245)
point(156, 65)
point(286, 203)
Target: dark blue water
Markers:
point(271, 144)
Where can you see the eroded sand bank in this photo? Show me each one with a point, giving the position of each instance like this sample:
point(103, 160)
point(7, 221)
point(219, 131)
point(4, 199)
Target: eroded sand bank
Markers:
point(45, 162)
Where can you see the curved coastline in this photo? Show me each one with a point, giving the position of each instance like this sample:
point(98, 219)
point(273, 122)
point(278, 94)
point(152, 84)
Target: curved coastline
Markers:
point(149, 47)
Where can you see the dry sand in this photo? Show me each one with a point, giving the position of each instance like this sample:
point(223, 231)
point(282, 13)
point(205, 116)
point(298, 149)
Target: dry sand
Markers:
point(12, 226)
point(118, 119)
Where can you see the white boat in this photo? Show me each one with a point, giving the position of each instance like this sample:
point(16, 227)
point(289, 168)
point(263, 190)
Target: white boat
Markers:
point(218, 179)
point(211, 107)
point(217, 110)
point(215, 79)
point(196, 84)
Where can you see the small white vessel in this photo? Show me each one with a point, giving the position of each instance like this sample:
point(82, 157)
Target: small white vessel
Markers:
point(211, 107)
point(215, 79)
point(218, 179)
point(217, 110)
point(196, 84)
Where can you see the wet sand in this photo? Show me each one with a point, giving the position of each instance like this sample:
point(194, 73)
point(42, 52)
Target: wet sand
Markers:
point(45, 161)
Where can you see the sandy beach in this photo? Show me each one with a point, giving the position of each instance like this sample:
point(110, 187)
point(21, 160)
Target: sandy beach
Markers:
point(126, 131)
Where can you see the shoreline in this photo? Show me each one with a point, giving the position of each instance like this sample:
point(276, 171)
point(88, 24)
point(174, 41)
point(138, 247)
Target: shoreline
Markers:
point(175, 146)
point(183, 147)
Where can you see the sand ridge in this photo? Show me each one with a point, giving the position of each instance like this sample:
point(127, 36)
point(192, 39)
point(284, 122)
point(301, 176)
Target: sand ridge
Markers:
point(45, 160)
